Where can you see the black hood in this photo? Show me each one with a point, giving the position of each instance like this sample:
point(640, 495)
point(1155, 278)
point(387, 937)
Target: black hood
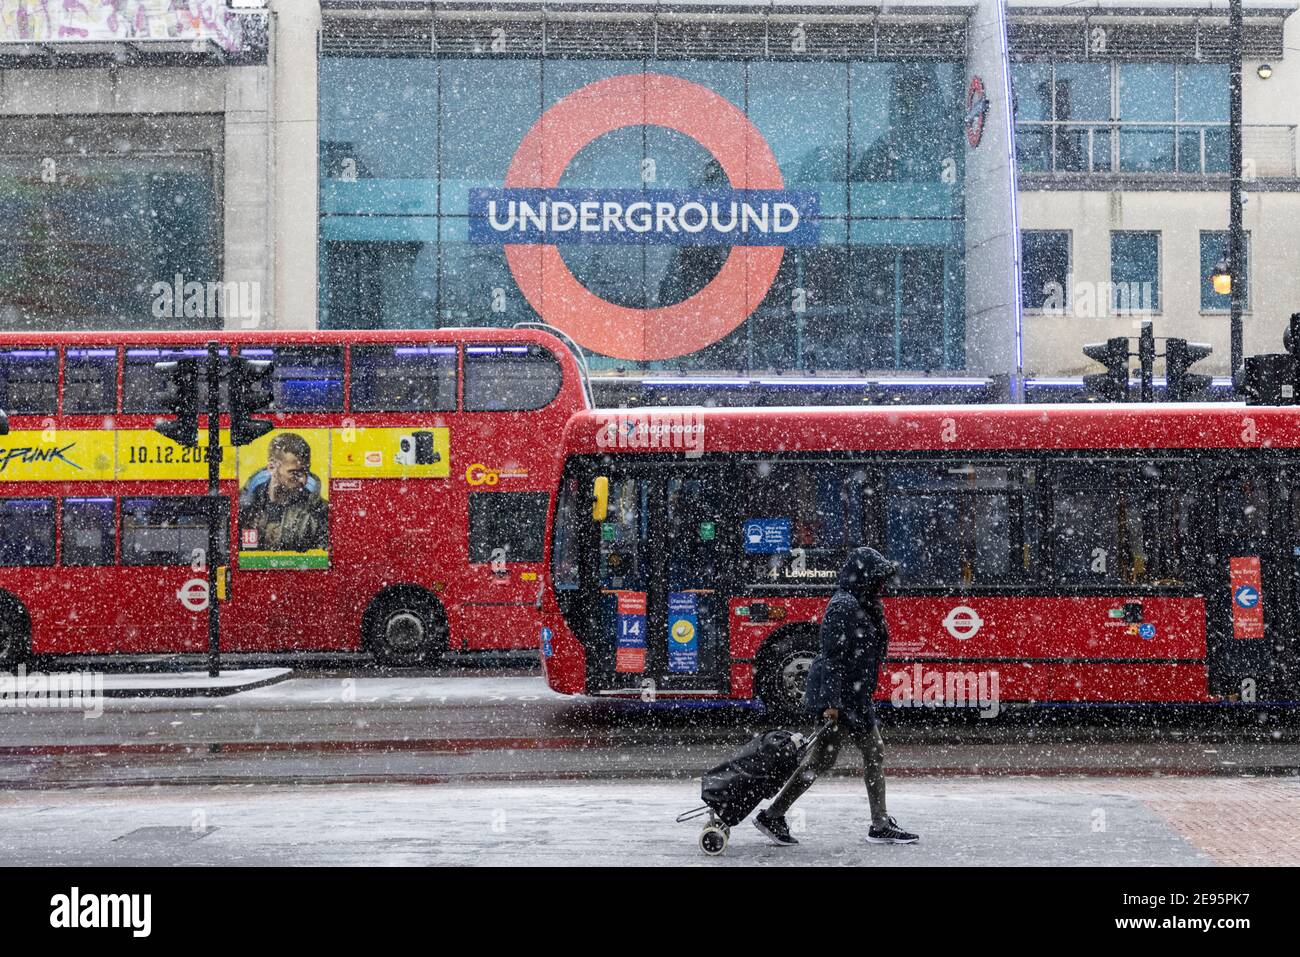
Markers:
point(865, 572)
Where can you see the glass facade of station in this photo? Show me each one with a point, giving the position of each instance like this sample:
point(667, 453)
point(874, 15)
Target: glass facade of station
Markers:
point(404, 140)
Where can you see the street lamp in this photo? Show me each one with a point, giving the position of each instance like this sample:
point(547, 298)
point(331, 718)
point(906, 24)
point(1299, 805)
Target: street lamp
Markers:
point(1222, 277)
point(1264, 71)
point(1236, 233)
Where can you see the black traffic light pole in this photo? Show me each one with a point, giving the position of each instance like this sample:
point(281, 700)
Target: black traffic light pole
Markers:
point(214, 507)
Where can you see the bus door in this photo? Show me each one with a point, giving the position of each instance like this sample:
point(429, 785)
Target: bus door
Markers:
point(661, 623)
point(1251, 590)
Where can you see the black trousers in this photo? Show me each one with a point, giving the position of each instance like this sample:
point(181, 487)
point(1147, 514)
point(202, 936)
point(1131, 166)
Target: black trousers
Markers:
point(864, 733)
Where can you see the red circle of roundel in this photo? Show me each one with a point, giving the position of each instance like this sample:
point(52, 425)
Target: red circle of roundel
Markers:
point(977, 111)
point(716, 124)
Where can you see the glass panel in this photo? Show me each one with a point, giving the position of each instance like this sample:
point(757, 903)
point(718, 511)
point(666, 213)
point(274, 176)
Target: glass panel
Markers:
point(89, 531)
point(1082, 91)
point(1216, 149)
point(1189, 150)
point(89, 381)
point(26, 531)
point(305, 378)
point(378, 123)
point(166, 530)
point(1045, 276)
point(510, 378)
point(487, 107)
point(507, 526)
point(29, 380)
point(920, 290)
point(1146, 92)
point(1144, 149)
point(1071, 154)
point(565, 564)
point(967, 525)
point(1102, 161)
point(144, 386)
point(1033, 148)
point(1203, 91)
point(1032, 89)
point(404, 378)
point(801, 109)
point(1135, 271)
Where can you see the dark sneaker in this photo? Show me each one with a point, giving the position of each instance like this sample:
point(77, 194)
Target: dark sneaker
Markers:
point(775, 828)
point(890, 833)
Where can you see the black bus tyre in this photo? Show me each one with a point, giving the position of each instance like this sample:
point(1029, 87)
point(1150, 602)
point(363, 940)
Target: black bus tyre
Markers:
point(407, 629)
point(713, 839)
point(15, 634)
point(781, 672)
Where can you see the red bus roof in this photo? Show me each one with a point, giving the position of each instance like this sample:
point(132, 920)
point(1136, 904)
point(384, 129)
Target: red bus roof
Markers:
point(488, 335)
point(934, 428)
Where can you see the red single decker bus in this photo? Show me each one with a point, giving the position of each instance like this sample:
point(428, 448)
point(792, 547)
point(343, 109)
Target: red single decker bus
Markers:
point(1066, 553)
point(399, 505)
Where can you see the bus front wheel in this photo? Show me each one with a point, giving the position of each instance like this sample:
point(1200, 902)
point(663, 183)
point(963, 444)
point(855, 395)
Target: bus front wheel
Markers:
point(15, 633)
point(407, 629)
point(782, 672)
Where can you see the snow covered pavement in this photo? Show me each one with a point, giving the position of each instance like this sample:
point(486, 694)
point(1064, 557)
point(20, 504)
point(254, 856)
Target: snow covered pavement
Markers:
point(979, 821)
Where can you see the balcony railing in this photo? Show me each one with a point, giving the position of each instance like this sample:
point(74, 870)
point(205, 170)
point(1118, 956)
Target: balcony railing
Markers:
point(1156, 149)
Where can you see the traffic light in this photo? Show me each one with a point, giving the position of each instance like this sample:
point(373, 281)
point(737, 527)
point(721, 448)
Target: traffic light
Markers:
point(1111, 385)
point(252, 391)
point(181, 399)
point(1181, 385)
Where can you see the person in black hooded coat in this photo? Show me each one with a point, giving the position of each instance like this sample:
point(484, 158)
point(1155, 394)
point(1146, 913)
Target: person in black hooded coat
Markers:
point(841, 684)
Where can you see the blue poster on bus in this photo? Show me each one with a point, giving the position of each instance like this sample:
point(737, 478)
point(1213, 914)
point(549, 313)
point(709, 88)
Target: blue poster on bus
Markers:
point(683, 633)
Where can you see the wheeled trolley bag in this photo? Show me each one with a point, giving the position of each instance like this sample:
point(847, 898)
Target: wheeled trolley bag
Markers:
point(756, 772)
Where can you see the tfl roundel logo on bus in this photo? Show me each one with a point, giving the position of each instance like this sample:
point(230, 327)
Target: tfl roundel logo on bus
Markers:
point(756, 216)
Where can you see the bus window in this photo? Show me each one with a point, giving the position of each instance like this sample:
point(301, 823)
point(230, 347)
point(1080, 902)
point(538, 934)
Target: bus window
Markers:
point(1243, 509)
point(404, 378)
point(510, 378)
point(961, 525)
point(29, 380)
point(89, 381)
point(165, 530)
point(507, 526)
point(27, 533)
point(799, 520)
point(305, 378)
point(144, 386)
point(623, 535)
point(564, 547)
point(89, 531)
point(1115, 525)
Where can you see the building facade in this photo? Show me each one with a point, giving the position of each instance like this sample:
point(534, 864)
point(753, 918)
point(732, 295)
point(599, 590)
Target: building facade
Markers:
point(732, 195)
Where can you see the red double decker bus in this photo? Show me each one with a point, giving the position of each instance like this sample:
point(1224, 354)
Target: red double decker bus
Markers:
point(399, 506)
point(1049, 553)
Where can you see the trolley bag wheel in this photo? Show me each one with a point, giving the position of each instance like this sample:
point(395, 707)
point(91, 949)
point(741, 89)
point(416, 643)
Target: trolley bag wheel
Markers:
point(713, 839)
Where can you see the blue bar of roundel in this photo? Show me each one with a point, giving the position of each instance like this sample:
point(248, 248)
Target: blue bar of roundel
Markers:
point(526, 231)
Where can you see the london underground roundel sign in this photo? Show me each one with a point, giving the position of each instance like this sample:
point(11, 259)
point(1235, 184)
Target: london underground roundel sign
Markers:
point(532, 215)
point(977, 111)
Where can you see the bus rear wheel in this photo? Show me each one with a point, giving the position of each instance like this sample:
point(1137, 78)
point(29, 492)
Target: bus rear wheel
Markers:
point(782, 673)
point(407, 629)
point(15, 634)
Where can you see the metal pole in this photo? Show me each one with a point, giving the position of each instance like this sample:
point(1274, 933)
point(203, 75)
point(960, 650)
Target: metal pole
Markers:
point(214, 508)
point(1147, 359)
point(1236, 238)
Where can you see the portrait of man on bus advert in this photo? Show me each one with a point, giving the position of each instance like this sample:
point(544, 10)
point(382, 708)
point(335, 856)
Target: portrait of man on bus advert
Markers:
point(281, 508)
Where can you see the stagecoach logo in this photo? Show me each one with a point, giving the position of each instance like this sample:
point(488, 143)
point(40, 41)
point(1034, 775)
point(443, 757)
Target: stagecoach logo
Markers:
point(757, 217)
point(31, 456)
point(963, 622)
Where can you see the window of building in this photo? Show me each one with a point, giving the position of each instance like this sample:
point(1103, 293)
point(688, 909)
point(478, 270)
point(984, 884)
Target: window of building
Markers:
point(29, 381)
point(1214, 247)
point(89, 381)
point(304, 378)
point(404, 378)
point(166, 530)
point(89, 535)
point(507, 526)
point(26, 531)
point(962, 525)
point(144, 385)
point(1122, 116)
point(510, 377)
point(1045, 269)
point(1135, 271)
